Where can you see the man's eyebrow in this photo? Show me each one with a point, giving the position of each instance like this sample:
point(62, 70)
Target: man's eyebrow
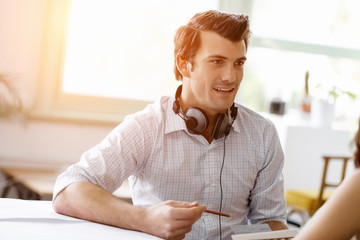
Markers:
point(223, 57)
point(217, 56)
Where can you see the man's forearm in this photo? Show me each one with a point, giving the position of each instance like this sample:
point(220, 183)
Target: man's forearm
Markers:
point(90, 202)
point(169, 220)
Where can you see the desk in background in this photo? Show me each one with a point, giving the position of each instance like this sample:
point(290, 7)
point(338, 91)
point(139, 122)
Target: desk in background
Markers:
point(36, 220)
point(304, 145)
point(39, 183)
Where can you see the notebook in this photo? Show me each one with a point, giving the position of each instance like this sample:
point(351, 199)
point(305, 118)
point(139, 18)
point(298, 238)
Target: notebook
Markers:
point(260, 231)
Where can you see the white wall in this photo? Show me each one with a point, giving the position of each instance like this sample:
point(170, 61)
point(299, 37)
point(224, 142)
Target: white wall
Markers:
point(304, 148)
point(21, 26)
point(46, 144)
point(38, 143)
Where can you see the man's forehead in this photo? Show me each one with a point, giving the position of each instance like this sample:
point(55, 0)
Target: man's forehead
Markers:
point(216, 45)
point(206, 34)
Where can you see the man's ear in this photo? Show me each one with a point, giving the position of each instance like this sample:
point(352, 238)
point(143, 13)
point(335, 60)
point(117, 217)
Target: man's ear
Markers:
point(183, 66)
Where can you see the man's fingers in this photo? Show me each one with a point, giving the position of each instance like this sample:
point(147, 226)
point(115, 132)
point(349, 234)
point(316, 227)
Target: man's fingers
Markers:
point(178, 228)
point(193, 213)
point(181, 204)
point(175, 218)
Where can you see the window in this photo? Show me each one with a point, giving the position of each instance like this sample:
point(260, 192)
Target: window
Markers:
point(292, 37)
point(115, 57)
point(111, 58)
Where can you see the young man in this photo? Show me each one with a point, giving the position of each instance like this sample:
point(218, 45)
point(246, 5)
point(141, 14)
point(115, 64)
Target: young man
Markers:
point(193, 151)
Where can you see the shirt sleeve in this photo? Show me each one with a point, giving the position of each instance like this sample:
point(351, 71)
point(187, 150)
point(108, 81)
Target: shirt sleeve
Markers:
point(267, 201)
point(109, 163)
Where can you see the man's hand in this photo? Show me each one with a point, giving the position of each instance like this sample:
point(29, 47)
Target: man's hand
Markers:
point(276, 225)
point(171, 219)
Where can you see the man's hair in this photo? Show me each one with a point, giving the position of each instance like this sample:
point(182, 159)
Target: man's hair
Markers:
point(187, 38)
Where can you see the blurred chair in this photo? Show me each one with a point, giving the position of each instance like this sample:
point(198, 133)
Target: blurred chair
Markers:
point(307, 202)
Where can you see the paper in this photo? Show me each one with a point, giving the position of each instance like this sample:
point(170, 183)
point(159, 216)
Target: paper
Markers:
point(288, 233)
point(241, 229)
point(12, 209)
point(36, 220)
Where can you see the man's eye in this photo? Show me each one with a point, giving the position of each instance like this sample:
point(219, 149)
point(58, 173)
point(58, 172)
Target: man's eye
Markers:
point(240, 63)
point(217, 61)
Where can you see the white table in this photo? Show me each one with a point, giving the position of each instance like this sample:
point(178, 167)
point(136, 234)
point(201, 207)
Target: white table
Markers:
point(27, 219)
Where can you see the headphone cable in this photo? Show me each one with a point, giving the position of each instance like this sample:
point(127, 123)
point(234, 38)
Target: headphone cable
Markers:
point(221, 189)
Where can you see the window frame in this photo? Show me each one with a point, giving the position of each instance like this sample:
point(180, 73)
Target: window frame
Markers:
point(294, 46)
point(51, 102)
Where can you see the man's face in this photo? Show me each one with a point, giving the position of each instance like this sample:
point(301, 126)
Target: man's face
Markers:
point(216, 73)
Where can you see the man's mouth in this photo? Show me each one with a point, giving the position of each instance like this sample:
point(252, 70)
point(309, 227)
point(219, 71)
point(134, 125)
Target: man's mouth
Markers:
point(224, 90)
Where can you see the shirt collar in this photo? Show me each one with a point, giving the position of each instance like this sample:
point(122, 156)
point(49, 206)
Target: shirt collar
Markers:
point(173, 121)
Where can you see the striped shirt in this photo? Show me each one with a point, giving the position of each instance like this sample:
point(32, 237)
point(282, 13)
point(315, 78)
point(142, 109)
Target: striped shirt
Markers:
point(163, 161)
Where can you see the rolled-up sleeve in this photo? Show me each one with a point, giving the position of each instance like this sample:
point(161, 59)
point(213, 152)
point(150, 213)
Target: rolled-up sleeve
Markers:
point(110, 162)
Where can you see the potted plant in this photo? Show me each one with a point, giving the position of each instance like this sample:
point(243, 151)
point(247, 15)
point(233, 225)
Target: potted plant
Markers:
point(324, 105)
point(333, 92)
point(10, 102)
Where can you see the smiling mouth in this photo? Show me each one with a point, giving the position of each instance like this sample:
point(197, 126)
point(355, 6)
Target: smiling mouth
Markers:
point(223, 90)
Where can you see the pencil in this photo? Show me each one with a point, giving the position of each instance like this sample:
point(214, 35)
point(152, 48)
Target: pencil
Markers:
point(218, 213)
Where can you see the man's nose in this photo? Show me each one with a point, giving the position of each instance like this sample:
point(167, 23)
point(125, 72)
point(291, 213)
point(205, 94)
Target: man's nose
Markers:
point(229, 74)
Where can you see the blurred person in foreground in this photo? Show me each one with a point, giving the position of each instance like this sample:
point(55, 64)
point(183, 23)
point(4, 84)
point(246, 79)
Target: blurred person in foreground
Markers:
point(339, 217)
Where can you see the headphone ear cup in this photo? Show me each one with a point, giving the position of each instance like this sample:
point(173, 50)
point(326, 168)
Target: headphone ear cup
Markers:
point(222, 126)
point(191, 124)
point(196, 120)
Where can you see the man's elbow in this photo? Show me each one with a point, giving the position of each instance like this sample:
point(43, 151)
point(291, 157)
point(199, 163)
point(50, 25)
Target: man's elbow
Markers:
point(60, 204)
